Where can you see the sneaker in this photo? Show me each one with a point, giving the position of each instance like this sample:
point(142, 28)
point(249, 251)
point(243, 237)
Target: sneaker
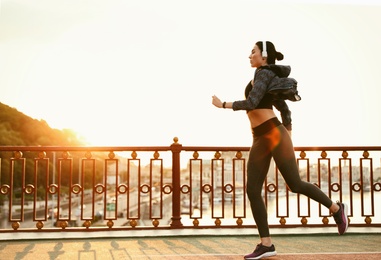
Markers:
point(261, 251)
point(341, 218)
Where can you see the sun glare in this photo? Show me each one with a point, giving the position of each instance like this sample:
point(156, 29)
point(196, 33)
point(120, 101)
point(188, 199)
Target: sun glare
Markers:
point(127, 73)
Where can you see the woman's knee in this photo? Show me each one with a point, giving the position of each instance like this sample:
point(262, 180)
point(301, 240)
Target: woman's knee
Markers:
point(295, 189)
point(253, 193)
point(298, 187)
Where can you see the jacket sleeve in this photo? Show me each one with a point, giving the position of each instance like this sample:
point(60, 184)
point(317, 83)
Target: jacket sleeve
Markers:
point(285, 112)
point(261, 80)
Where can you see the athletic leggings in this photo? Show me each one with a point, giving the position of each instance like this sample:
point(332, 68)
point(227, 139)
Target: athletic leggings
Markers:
point(271, 139)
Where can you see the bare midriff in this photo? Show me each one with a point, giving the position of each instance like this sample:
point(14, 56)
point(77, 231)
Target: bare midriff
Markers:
point(259, 116)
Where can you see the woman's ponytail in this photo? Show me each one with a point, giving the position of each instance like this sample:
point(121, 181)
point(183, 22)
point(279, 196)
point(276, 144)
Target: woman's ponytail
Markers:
point(279, 55)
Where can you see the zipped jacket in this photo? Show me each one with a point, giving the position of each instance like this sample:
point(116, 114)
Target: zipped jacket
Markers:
point(264, 78)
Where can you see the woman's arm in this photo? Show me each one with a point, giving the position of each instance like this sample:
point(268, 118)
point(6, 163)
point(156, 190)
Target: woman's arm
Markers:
point(218, 103)
point(261, 81)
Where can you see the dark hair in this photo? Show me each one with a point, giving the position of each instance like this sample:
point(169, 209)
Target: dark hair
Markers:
point(272, 54)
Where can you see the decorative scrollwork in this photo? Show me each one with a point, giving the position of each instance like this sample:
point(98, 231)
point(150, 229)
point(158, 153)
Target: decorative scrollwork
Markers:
point(356, 187)
point(110, 223)
point(238, 155)
point(15, 225)
point(335, 187)
point(88, 155)
point(65, 155)
point(377, 186)
point(167, 189)
point(99, 188)
point(271, 187)
point(17, 155)
point(62, 224)
point(133, 223)
point(185, 189)
point(111, 155)
point(39, 225)
point(155, 222)
point(76, 188)
point(29, 189)
point(123, 188)
point(87, 224)
point(53, 188)
point(41, 155)
point(228, 188)
point(145, 188)
point(207, 188)
point(5, 189)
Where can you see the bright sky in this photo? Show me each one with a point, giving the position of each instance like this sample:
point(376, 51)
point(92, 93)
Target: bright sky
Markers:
point(141, 72)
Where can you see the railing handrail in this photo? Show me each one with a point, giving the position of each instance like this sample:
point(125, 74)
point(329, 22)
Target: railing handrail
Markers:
point(84, 148)
point(184, 148)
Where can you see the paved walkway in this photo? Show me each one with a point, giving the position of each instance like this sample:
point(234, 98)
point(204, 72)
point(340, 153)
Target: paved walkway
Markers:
point(305, 247)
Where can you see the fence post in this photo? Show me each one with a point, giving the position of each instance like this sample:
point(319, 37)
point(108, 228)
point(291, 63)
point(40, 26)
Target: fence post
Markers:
point(176, 189)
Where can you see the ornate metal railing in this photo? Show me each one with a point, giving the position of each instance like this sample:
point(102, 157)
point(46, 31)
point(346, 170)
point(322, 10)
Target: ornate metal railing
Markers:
point(173, 187)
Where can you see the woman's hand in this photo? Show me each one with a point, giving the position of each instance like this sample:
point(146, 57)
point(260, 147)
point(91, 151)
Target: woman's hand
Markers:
point(216, 101)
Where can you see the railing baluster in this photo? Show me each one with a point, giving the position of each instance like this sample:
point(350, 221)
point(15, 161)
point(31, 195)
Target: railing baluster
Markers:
point(176, 189)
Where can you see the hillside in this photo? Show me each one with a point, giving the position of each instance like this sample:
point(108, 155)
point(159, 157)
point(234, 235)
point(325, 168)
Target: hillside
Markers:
point(17, 128)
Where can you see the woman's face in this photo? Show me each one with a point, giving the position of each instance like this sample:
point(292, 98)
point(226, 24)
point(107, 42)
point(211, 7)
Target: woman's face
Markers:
point(256, 59)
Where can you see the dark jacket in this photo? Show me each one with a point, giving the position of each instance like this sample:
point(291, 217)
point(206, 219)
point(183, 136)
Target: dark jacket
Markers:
point(265, 78)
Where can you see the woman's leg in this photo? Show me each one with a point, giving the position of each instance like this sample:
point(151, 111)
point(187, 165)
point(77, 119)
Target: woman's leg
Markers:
point(257, 168)
point(284, 156)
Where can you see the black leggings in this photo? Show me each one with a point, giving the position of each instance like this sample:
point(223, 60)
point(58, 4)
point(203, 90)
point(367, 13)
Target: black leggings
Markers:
point(271, 139)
